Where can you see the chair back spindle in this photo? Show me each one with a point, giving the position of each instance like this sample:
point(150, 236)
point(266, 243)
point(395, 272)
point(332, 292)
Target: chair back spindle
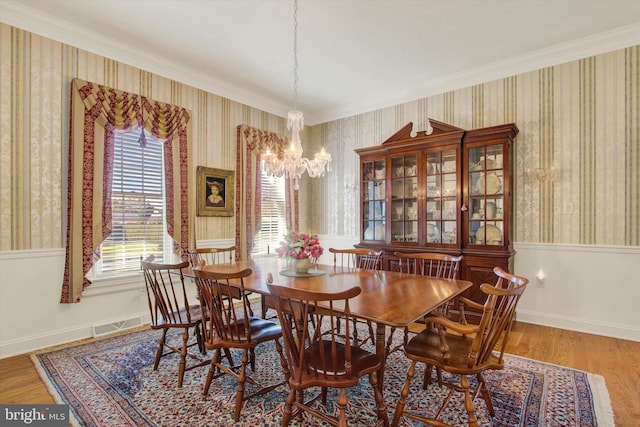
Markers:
point(429, 264)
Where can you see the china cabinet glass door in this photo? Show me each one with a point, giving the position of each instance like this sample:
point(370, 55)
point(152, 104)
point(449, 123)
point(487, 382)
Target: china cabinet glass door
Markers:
point(486, 196)
point(404, 199)
point(373, 200)
point(441, 197)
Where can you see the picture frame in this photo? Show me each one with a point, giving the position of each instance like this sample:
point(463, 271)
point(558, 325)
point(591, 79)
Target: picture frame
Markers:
point(215, 190)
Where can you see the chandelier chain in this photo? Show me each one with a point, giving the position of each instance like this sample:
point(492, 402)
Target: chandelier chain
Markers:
point(295, 54)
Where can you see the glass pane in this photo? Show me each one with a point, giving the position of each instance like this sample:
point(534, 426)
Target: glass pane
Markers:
point(476, 157)
point(378, 210)
point(433, 209)
point(379, 190)
point(449, 209)
point(367, 226)
point(449, 184)
point(379, 232)
point(433, 163)
point(397, 231)
point(449, 233)
point(433, 232)
point(397, 167)
point(433, 186)
point(411, 231)
point(398, 210)
point(379, 171)
point(477, 183)
point(367, 171)
point(494, 157)
point(411, 211)
point(398, 188)
point(411, 187)
point(367, 189)
point(449, 161)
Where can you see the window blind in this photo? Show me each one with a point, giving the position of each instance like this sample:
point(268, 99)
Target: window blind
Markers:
point(137, 205)
point(273, 225)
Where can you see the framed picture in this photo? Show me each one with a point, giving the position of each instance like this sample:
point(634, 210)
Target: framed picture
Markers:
point(215, 191)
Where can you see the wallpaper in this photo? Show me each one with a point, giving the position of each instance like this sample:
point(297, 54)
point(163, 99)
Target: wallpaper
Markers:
point(35, 84)
point(581, 117)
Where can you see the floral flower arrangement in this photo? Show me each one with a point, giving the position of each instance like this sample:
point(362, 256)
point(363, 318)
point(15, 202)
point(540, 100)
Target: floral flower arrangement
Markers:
point(299, 246)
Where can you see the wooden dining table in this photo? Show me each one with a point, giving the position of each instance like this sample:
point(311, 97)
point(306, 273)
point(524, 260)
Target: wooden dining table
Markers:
point(387, 298)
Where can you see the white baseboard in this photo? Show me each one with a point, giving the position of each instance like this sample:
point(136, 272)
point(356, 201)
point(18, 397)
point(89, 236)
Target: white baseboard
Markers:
point(579, 325)
point(51, 338)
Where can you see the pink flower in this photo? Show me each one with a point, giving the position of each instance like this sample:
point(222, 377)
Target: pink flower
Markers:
point(299, 246)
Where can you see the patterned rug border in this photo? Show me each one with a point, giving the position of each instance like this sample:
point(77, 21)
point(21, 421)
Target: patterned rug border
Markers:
point(601, 401)
point(601, 398)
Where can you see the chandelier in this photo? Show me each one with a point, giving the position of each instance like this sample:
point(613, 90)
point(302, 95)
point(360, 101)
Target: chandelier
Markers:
point(291, 164)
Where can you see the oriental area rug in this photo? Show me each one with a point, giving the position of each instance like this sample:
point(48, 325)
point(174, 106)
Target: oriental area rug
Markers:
point(111, 382)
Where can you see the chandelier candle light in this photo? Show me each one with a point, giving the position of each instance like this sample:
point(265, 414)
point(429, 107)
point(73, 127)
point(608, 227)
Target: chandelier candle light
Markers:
point(292, 164)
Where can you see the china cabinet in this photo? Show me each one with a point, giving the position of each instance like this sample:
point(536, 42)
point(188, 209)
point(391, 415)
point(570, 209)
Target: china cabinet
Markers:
point(448, 192)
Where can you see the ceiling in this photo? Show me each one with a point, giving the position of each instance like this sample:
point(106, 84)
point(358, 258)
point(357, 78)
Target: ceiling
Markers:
point(353, 55)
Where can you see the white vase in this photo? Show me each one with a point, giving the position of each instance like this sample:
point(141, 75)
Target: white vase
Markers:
point(302, 265)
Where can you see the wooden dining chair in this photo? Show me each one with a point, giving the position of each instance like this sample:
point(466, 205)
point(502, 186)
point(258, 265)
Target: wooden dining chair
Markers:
point(367, 259)
point(212, 255)
point(432, 264)
point(170, 308)
point(216, 256)
point(318, 359)
point(463, 349)
point(234, 328)
point(358, 258)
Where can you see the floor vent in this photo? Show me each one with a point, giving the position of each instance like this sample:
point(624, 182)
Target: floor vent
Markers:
point(121, 325)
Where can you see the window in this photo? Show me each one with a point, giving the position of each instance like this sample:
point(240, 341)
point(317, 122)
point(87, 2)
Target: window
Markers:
point(138, 208)
point(273, 225)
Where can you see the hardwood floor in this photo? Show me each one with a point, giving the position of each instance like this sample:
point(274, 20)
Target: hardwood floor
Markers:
point(616, 360)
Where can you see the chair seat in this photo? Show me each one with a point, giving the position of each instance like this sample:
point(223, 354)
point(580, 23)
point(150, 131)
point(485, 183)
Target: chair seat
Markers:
point(195, 313)
point(261, 330)
point(362, 361)
point(425, 347)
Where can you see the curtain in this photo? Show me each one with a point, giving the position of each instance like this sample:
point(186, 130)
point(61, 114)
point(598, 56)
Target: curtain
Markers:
point(252, 142)
point(96, 113)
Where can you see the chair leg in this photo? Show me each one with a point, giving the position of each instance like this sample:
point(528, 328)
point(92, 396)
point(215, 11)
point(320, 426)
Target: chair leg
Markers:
point(242, 377)
point(160, 349)
point(403, 395)
point(183, 356)
point(252, 360)
point(382, 409)
point(200, 338)
point(212, 370)
point(342, 405)
point(427, 376)
point(468, 401)
point(288, 407)
point(263, 306)
point(482, 385)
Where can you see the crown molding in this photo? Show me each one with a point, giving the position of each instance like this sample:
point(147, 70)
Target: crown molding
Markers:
point(34, 21)
point(22, 16)
point(595, 44)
